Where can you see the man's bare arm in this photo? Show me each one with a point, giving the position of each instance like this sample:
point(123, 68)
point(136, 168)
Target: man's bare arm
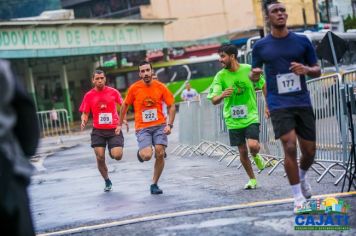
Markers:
point(84, 117)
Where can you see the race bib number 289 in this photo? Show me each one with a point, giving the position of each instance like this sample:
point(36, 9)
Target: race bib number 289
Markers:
point(149, 115)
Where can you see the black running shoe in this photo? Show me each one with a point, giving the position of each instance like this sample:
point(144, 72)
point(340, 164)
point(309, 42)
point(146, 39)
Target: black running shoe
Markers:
point(138, 157)
point(108, 185)
point(155, 189)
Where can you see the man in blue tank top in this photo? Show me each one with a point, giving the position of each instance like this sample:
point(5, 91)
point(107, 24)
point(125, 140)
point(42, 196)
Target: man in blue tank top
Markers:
point(288, 58)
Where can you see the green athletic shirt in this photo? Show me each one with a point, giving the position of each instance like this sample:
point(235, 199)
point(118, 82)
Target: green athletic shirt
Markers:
point(240, 109)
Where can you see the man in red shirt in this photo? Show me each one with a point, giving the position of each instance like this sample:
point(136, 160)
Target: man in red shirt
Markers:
point(102, 102)
point(147, 96)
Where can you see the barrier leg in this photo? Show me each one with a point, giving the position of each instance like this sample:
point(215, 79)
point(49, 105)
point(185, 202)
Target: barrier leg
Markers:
point(214, 149)
point(225, 154)
point(207, 149)
point(176, 148)
point(186, 150)
point(327, 170)
point(322, 166)
point(183, 149)
point(275, 167)
point(197, 148)
point(233, 159)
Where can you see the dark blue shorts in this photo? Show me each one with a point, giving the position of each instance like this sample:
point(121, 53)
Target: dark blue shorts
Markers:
point(151, 136)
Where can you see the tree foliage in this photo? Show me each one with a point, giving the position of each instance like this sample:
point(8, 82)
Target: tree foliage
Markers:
point(350, 23)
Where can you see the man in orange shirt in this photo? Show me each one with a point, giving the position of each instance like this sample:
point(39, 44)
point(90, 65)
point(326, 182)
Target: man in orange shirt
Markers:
point(147, 96)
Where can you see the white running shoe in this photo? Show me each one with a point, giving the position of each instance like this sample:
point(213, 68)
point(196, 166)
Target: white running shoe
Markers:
point(299, 204)
point(306, 189)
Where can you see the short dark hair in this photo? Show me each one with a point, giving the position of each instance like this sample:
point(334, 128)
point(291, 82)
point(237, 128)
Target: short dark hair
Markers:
point(229, 49)
point(144, 63)
point(267, 3)
point(98, 72)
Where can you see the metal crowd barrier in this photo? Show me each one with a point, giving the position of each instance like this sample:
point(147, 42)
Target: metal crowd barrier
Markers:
point(350, 78)
point(271, 149)
point(349, 82)
point(53, 122)
point(331, 137)
point(203, 131)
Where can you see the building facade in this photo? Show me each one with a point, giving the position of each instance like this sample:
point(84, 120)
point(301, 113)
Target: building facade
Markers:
point(26, 8)
point(197, 19)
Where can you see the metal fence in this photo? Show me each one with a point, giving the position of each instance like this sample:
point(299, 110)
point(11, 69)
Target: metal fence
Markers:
point(202, 130)
point(53, 122)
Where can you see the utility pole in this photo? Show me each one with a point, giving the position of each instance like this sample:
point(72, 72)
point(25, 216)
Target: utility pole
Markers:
point(315, 12)
point(327, 10)
point(265, 26)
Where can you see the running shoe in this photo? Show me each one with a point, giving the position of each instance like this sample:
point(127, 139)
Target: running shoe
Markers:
point(299, 204)
point(260, 163)
point(251, 184)
point(306, 189)
point(138, 157)
point(155, 189)
point(108, 185)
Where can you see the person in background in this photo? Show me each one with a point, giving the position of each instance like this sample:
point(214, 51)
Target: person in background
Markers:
point(189, 94)
point(19, 136)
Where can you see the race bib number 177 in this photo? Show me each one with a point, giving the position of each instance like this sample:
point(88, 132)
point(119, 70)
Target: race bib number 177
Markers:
point(288, 83)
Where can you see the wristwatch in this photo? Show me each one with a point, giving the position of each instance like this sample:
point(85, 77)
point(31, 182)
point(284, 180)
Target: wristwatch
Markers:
point(170, 126)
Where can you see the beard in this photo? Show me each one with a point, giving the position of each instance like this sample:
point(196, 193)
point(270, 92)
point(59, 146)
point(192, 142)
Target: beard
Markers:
point(147, 79)
point(227, 65)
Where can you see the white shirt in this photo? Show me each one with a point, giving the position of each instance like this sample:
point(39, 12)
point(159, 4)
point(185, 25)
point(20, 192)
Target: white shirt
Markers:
point(189, 95)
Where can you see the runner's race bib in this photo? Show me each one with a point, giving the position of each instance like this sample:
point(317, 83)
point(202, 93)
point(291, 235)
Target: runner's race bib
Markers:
point(149, 115)
point(239, 111)
point(288, 83)
point(105, 118)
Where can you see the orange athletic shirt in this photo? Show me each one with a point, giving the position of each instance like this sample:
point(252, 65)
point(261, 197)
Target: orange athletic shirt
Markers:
point(147, 102)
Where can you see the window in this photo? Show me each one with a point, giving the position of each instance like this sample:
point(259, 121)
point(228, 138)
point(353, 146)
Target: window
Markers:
point(99, 8)
point(118, 5)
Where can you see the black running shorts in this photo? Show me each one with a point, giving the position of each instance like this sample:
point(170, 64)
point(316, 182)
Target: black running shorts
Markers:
point(301, 119)
point(238, 136)
point(103, 137)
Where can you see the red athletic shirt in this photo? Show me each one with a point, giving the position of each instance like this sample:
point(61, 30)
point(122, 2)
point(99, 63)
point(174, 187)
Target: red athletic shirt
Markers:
point(102, 105)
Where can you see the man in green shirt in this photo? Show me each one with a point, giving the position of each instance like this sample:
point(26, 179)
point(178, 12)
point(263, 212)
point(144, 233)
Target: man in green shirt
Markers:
point(232, 84)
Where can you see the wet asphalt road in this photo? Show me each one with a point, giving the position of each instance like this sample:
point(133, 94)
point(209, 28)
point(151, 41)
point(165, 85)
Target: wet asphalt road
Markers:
point(67, 192)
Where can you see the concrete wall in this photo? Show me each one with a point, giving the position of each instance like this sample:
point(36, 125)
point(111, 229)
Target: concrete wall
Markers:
point(201, 18)
point(207, 18)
